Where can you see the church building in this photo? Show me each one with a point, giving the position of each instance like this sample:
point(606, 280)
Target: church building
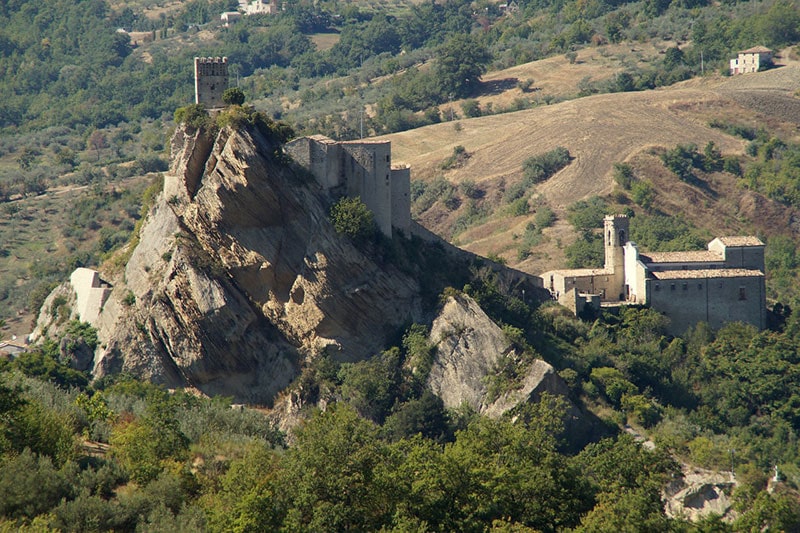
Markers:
point(724, 283)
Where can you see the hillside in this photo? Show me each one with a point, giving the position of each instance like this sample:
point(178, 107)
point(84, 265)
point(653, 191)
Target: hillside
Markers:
point(601, 130)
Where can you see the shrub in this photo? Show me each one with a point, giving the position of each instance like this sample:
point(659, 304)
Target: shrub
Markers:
point(623, 175)
point(193, 115)
point(471, 108)
point(545, 217)
point(539, 168)
point(643, 194)
point(459, 157)
point(233, 96)
point(351, 217)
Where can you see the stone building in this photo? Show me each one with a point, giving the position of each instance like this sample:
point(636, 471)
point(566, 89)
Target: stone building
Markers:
point(360, 168)
point(751, 60)
point(259, 7)
point(724, 283)
point(91, 292)
point(210, 81)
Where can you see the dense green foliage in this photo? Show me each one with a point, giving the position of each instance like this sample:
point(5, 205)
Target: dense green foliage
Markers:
point(84, 105)
point(351, 217)
point(386, 454)
point(541, 167)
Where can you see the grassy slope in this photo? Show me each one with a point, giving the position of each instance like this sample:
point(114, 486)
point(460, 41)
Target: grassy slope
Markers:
point(599, 131)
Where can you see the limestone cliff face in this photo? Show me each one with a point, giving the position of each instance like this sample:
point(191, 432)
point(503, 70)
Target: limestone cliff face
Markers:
point(238, 277)
point(469, 348)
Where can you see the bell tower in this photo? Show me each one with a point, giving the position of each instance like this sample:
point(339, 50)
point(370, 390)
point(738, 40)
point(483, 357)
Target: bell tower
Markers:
point(615, 235)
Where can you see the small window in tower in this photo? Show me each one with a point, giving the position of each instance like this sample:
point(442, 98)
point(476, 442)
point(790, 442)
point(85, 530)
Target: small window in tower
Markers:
point(699, 286)
point(658, 287)
point(686, 286)
point(388, 158)
point(742, 293)
point(672, 286)
point(622, 236)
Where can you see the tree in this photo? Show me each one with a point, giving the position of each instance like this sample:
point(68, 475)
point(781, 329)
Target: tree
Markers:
point(97, 141)
point(233, 96)
point(462, 61)
point(352, 217)
point(337, 475)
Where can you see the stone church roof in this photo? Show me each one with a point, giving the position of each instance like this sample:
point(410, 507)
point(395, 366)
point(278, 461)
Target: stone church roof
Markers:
point(699, 256)
point(746, 240)
point(707, 273)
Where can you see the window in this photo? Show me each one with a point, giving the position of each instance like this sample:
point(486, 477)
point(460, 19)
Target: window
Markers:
point(699, 286)
point(672, 286)
point(742, 293)
point(658, 287)
point(686, 286)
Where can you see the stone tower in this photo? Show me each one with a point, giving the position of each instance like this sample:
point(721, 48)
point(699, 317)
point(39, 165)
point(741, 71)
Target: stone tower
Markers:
point(615, 235)
point(210, 81)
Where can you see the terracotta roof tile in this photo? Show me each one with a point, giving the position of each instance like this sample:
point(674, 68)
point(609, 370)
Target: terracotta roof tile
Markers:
point(708, 273)
point(741, 241)
point(699, 256)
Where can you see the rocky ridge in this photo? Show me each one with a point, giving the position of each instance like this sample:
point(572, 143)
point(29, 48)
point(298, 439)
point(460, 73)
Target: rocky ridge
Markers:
point(238, 278)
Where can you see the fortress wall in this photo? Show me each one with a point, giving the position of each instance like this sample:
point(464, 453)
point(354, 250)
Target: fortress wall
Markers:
point(401, 198)
point(365, 170)
point(368, 174)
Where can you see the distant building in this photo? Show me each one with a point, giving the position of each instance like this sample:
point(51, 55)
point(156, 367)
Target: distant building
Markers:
point(363, 169)
point(229, 17)
point(259, 7)
point(11, 349)
point(210, 81)
point(751, 60)
point(722, 284)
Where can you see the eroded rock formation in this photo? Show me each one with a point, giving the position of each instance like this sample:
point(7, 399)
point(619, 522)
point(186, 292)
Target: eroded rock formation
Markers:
point(238, 276)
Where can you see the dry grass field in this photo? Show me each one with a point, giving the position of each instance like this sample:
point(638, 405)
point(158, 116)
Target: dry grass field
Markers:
point(599, 131)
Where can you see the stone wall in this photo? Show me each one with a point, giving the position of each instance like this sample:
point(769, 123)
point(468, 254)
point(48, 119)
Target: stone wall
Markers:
point(401, 198)
point(91, 294)
point(210, 81)
point(720, 297)
point(364, 169)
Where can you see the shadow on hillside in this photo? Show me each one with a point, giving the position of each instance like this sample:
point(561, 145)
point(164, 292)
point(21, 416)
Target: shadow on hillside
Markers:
point(498, 86)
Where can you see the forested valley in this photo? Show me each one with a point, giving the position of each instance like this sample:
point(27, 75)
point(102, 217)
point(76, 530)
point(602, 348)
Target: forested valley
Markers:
point(89, 108)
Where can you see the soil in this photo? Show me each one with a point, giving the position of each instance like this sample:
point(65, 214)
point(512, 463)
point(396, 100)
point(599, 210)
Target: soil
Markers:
point(599, 131)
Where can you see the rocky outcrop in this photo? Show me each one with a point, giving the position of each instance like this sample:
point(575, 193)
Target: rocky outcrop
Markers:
point(470, 348)
point(700, 493)
point(238, 277)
